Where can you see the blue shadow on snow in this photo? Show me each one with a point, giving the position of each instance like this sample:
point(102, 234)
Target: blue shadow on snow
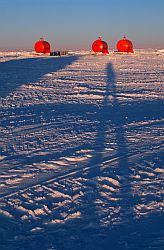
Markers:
point(14, 73)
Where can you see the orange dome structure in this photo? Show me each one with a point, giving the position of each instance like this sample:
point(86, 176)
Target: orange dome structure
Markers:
point(125, 45)
point(100, 46)
point(42, 46)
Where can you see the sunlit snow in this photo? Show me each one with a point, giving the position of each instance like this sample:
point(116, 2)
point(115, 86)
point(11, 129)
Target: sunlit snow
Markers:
point(81, 151)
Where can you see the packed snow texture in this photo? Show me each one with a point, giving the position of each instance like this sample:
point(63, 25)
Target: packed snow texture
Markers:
point(81, 142)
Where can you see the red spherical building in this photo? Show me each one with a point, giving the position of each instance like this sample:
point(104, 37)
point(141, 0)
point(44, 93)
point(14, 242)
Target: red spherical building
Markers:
point(42, 46)
point(125, 45)
point(100, 46)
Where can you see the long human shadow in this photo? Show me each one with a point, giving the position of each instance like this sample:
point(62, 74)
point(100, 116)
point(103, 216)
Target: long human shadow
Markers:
point(109, 114)
point(119, 120)
point(14, 73)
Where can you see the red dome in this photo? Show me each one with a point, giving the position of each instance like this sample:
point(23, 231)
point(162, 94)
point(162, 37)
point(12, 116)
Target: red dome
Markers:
point(125, 45)
point(100, 46)
point(42, 46)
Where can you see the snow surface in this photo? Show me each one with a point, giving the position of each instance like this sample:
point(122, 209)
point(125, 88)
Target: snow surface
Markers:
point(81, 142)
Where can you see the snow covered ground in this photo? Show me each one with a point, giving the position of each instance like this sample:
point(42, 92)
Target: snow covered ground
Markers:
point(81, 151)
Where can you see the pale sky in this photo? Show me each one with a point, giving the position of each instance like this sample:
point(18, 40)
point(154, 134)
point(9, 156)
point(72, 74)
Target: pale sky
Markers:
point(75, 24)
